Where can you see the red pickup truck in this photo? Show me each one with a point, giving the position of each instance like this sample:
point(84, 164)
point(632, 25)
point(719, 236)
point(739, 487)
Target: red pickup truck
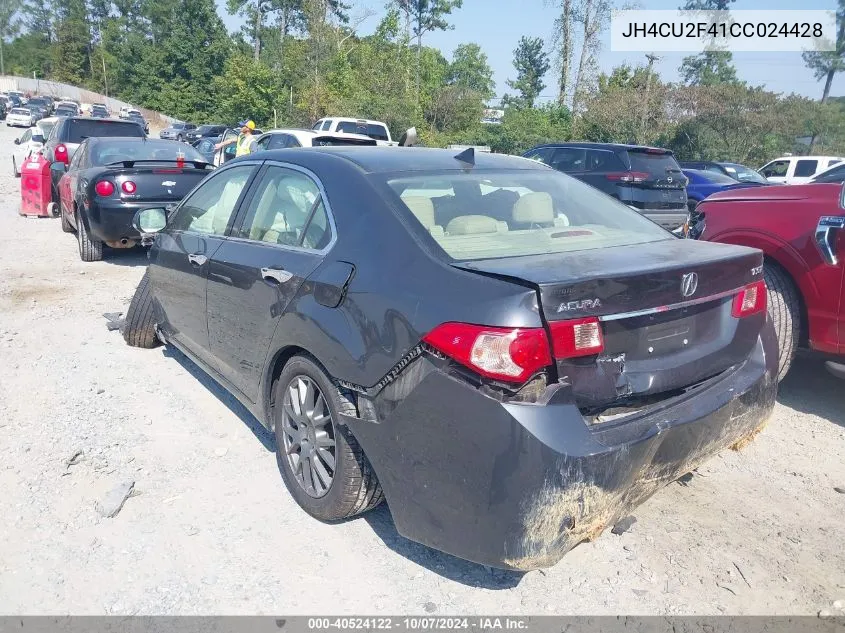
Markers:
point(801, 231)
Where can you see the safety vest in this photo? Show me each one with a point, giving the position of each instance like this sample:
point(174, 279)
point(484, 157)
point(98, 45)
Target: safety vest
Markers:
point(244, 141)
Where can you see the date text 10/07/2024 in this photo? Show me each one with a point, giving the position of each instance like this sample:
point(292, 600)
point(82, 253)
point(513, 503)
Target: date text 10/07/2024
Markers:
point(418, 623)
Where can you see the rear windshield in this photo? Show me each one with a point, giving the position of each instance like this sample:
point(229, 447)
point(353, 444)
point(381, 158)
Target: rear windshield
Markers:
point(207, 129)
point(743, 173)
point(656, 164)
point(129, 149)
point(715, 176)
point(334, 140)
point(373, 130)
point(22, 111)
point(77, 130)
point(492, 214)
point(178, 126)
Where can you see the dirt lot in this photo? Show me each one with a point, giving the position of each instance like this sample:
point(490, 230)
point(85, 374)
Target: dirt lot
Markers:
point(211, 528)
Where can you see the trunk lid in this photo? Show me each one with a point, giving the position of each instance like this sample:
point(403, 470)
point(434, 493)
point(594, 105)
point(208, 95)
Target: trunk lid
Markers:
point(662, 334)
point(158, 183)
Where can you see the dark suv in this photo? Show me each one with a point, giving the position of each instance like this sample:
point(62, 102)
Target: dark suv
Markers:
point(647, 179)
point(69, 132)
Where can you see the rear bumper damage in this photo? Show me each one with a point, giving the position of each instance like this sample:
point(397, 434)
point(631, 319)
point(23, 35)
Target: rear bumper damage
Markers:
point(516, 485)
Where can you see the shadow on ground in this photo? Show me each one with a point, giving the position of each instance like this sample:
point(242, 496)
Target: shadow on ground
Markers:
point(126, 256)
point(445, 565)
point(263, 435)
point(809, 388)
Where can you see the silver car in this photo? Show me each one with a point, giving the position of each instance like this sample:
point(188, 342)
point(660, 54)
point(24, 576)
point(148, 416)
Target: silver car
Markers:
point(177, 131)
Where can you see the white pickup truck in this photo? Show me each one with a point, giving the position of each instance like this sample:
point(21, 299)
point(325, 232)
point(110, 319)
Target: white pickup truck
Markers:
point(374, 129)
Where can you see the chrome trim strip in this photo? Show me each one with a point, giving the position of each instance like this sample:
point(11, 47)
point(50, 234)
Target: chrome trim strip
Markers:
point(825, 239)
point(667, 308)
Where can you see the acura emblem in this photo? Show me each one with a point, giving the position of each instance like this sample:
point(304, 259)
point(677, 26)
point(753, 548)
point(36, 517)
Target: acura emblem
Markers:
point(689, 284)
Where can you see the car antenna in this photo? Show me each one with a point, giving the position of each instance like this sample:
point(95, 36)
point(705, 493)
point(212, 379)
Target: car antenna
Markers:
point(467, 156)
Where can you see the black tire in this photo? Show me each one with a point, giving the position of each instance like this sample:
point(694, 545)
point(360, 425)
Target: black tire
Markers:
point(354, 488)
point(785, 311)
point(138, 326)
point(89, 250)
point(67, 227)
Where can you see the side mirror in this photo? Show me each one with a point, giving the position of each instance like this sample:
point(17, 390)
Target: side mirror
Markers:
point(150, 221)
point(409, 138)
point(17, 141)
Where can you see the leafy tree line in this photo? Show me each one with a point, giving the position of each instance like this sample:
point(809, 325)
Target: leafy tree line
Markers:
point(295, 61)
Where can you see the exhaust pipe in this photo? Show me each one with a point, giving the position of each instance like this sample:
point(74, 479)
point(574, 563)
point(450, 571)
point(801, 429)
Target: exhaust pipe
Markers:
point(123, 242)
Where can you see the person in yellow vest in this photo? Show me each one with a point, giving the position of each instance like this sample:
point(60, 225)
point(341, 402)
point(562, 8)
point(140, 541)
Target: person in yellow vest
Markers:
point(243, 140)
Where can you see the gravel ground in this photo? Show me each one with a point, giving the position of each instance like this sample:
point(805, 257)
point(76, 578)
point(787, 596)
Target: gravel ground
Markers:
point(209, 527)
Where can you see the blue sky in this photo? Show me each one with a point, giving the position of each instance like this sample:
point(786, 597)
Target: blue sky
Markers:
point(497, 25)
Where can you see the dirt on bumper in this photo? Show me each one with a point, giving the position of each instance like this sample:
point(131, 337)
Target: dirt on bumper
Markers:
point(516, 486)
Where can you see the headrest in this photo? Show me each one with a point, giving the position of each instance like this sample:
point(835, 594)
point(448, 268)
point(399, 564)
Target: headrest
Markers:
point(422, 208)
point(534, 208)
point(474, 224)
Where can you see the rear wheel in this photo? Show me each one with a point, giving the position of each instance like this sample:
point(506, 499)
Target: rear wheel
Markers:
point(322, 465)
point(785, 311)
point(138, 326)
point(90, 250)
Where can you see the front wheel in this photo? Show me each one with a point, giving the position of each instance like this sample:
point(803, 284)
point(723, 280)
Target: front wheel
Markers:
point(90, 250)
point(785, 312)
point(138, 326)
point(322, 465)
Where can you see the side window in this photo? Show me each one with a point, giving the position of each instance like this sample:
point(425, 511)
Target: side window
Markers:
point(603, 160)
point(805, 168)
point(568, 159)
point(278, 141)
point(833, 161)
point(210, 207)
point(833, 175)
point(78, 157)
point(264, 143)
point(776, 168)
point(350, 127)
point(318, 125)
point(287, 209)
point(293, 141)
point(542, 154)
point(327, 125)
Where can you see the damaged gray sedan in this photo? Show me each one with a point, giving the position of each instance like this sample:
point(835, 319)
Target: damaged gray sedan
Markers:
point(511, 358)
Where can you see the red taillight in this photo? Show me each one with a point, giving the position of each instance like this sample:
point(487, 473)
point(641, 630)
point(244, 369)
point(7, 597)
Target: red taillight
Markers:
point(750, 300)
point(104, 188)
point(128, 187)
point(627, 176)
point(508, 354)
point(579, 337)
point(62, 154)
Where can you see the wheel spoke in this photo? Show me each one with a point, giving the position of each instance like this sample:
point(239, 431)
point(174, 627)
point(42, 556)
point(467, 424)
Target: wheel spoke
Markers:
point(292, 415)
point(324, 440)
point(323, 479)
point(307, 473)
point(327, 457)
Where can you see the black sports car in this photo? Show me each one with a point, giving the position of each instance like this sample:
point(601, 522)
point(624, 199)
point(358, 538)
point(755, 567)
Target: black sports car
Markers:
point(510, 357)
point(110, 178)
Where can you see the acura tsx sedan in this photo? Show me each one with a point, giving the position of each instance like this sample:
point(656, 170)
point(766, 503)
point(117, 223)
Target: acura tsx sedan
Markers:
point(508, 356)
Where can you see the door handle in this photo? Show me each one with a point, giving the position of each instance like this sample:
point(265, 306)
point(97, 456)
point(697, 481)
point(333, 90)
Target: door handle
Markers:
point(196, 259)
point(276, 275)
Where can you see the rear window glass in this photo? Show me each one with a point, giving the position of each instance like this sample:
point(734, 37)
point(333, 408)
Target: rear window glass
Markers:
point(334, 140)
point(206, 129)
point(495, 214)
point(804, 168)
point(22, 111)
point(718, 177)
point(378, 132)
point(658, 164)
point(121, 150)
point(77, 130)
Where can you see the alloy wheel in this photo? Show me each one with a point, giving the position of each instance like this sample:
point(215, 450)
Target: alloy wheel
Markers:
point(308, 436)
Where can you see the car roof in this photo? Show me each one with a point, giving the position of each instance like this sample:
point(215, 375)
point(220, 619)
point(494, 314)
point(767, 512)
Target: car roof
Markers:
point(814, 157)
point(377, 159)
point(302, 133)
point(350, 119)
point(615, 146)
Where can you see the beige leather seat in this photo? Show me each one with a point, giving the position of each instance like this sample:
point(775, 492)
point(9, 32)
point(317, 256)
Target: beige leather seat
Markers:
point(537, 209)
point(423, 210)
point(475, 225)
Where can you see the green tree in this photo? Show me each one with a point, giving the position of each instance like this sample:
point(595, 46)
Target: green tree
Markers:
point(71, 63)
point(710, 67)
point(532, 64)
point(9, 25)
point(426, 16)
point(469, 70)
point(826, 64)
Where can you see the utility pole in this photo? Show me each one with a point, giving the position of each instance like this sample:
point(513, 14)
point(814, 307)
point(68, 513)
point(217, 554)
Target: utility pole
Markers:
point(651, 57)
point(105, 76)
